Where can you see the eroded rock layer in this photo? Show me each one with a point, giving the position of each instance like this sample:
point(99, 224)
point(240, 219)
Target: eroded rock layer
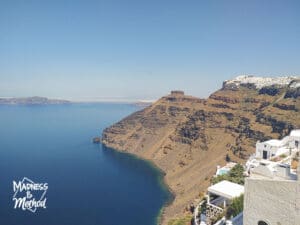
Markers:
point(188, 137)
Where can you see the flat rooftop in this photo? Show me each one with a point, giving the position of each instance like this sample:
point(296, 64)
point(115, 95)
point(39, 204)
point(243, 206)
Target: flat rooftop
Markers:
point(274, 142)
point(226, 189)
point(295, 133)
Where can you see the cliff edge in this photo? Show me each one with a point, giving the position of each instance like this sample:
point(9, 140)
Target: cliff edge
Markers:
point(188, 137)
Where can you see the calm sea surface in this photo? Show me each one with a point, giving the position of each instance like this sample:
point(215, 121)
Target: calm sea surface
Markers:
point(88, 184)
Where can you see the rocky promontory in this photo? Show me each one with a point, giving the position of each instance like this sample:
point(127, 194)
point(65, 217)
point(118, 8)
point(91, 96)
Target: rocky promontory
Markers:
point(187, 137)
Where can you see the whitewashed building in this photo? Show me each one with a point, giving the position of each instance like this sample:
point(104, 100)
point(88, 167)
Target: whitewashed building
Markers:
point(274, 147)
point(271, 200)
point(219, 196)
point(272, 190)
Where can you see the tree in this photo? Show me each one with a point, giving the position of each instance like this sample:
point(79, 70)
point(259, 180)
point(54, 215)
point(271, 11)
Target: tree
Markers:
point(236, 174)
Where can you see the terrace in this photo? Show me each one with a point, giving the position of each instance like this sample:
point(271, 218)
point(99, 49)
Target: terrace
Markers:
point(219, 196)
point(276, 159)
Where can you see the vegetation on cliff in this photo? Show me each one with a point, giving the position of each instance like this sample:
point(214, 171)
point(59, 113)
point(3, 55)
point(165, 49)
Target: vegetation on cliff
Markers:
point(235, 175)
point(186, 220)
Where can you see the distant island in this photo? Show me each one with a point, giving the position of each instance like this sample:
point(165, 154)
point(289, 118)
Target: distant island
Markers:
point(35, 100)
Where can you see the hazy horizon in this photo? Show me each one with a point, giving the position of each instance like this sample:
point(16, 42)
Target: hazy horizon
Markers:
point(123, 99)
point(87, 100)
point(134, 50)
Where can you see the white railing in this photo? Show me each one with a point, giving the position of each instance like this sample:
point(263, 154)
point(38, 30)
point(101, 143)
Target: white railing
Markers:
point(215, 207)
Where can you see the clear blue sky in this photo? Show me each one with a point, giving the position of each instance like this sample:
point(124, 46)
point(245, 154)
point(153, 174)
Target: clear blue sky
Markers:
point(137, 49)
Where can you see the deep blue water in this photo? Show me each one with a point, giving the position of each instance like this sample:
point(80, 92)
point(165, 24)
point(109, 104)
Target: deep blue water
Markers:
point(88, 183)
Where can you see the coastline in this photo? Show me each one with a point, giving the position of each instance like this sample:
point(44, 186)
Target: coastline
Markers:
point(161, 178)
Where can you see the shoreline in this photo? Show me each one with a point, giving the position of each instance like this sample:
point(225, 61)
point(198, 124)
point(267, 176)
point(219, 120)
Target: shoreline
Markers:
point(162, 180)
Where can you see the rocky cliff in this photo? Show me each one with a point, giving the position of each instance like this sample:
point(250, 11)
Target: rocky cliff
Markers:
point(188, 137)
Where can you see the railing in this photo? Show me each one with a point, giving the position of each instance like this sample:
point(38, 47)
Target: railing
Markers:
point(212, 211)
point(215, 207)
point(196, 212)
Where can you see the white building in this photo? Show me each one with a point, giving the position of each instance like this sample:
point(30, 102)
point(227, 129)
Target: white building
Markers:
point(271, 199)
point(295, 139)
point(219, 196)
point(273, 148)
point(272, 191)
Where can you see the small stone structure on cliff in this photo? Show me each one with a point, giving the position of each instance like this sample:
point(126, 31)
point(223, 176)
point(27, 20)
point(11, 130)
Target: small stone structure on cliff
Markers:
point(177, 93)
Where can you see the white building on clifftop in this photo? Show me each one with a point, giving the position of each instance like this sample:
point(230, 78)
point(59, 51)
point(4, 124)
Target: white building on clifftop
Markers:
point(260, 82)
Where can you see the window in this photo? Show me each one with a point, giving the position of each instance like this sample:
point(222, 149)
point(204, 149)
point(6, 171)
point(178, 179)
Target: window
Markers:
point(261, 223)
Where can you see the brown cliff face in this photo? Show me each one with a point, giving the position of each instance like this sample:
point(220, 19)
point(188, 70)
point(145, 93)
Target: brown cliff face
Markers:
point(188, 137)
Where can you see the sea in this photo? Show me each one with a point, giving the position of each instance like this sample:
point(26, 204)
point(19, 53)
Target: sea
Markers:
point(52, 174)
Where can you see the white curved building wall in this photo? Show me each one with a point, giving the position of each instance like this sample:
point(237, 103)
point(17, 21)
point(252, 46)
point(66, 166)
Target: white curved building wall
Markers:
point(277, 202)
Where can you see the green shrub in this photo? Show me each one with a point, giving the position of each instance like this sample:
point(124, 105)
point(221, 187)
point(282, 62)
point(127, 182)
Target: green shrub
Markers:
point(283, 156)
point(235, 207)
point(217, 218)
point(235, 175)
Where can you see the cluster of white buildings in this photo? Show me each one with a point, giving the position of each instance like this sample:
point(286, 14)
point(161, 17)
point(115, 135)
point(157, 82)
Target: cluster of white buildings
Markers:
point(271, 191)
point(218, 197)
point(260, 82)
point(276, 158)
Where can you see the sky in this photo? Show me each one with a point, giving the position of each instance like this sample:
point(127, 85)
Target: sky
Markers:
point(137, 49)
